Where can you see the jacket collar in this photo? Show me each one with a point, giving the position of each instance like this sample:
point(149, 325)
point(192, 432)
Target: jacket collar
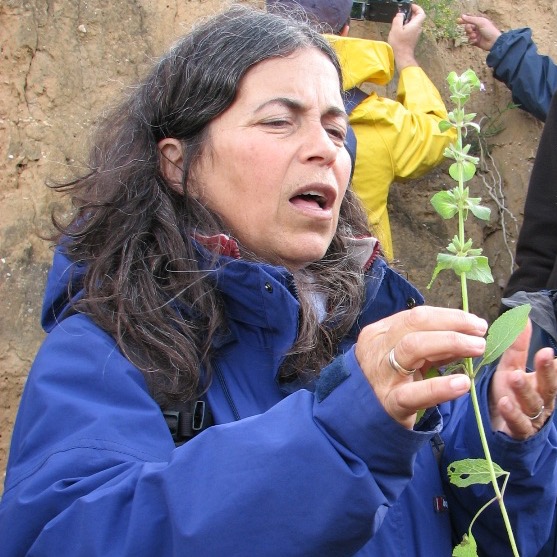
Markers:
point(364, 249)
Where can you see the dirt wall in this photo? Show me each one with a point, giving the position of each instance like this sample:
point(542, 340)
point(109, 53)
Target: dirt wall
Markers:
point(62, 61)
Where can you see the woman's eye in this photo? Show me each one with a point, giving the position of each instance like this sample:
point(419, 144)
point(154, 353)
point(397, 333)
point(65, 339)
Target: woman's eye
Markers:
point(337, 133)
point(276, 123)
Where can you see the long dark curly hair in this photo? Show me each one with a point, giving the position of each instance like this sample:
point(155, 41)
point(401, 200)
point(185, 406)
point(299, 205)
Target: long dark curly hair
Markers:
point(133, 231)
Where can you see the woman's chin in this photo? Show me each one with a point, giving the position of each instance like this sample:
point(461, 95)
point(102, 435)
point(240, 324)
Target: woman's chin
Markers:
point(303, 255)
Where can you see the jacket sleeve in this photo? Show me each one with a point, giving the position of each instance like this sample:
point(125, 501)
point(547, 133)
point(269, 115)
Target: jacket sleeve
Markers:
point(531, 77)
point(536, 248)
point(531, 491)
point(409, 126)
point(93, 470)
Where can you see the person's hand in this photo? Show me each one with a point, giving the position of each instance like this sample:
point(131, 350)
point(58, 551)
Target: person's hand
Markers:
point(520, 402)
point(404, 38)
point(418, 338)
point(481, 31)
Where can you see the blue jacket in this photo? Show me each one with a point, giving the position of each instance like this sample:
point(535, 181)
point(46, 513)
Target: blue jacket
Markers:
point(323, 471)
point(531, 77)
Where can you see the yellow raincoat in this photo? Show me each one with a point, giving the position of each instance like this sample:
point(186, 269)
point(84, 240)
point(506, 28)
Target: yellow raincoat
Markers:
point(397, 140)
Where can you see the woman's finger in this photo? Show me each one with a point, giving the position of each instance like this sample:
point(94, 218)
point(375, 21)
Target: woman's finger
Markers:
point(517, 423)
point(545, 365)
point(404, 402)
point(435, 347)
point(423, 318)
point(528, 398)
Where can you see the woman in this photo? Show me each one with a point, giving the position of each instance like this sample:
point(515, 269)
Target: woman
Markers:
point(214, 254)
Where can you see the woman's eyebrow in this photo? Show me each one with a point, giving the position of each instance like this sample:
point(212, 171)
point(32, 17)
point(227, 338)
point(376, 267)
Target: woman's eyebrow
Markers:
point(297, 106)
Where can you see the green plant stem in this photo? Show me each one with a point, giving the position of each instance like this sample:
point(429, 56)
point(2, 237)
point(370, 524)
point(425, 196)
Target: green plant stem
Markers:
point(485, 446)
point(465, 307)
point(469, 367)
point(459, 202)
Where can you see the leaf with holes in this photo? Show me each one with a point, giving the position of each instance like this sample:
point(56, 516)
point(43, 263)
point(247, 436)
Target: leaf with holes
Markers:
point(470, 471)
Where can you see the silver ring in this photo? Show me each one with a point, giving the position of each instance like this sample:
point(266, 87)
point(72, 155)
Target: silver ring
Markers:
point(398, 368)
point(532, 418)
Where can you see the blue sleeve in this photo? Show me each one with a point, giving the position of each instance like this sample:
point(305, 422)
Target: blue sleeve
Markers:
point(531, 77)
point(93, 470)
point(531, 490)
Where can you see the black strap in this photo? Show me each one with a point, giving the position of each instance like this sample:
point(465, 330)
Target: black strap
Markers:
point(188, 419)
point(352, 98)
point(438, 446)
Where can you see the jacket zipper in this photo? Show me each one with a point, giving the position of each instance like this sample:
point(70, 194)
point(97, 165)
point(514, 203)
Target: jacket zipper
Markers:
point(226, 392)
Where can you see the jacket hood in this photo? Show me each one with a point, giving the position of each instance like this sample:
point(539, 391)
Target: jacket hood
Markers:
point(363, 61)
point(63, 287)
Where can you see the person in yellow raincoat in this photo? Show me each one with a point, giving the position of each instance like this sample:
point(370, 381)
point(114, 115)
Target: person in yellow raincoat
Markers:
point(396, 139)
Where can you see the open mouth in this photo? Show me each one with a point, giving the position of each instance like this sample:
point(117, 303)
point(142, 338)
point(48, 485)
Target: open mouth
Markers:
point(315, 198)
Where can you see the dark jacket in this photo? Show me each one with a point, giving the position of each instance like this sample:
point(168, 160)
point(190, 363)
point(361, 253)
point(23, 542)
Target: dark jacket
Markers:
point(321, 472)
point(536, 248)
point(531, 77)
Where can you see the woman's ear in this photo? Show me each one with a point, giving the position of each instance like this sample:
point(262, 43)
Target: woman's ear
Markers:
point(172, 162)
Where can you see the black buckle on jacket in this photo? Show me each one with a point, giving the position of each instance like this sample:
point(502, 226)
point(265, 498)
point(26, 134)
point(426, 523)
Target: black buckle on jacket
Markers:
point(191, 418)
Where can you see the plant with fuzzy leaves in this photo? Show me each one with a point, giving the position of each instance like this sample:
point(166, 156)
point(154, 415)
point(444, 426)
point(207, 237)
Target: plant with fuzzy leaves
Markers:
point(468, 263)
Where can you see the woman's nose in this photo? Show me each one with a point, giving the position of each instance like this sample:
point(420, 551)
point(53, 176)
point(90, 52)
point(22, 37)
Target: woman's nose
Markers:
point(319, 146)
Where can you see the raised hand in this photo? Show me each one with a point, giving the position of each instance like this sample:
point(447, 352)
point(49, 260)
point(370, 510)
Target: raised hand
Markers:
point(394, 352)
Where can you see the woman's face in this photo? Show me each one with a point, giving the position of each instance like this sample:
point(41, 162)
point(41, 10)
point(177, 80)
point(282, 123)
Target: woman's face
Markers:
point(275, 167)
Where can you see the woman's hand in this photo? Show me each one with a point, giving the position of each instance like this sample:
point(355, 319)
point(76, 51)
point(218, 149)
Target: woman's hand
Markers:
point(520, 402)
point(420, 337)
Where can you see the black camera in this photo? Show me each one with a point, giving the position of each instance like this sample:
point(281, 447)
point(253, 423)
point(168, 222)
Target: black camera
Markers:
point(381, 10)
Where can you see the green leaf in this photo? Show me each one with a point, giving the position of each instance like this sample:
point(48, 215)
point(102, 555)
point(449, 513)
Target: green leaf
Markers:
point(468, 170)
point(503, 332)
point(436, 271)
point(431, 372)
point(455, 171)
point(444, 125)
point(470, 77)
point(443, 262)
point(457, 263)
point(475, 267)
point(454, 367)
point(457, 97)
point(450, 152)
point(466, 548)
point(444, 203)
point(474, 160)
point(452, 78)
point(462, 171)
point(480, 269)
point(428, 374)
point(479, 211)
point(472, 471)
point(452, 247)
point(473, 125)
